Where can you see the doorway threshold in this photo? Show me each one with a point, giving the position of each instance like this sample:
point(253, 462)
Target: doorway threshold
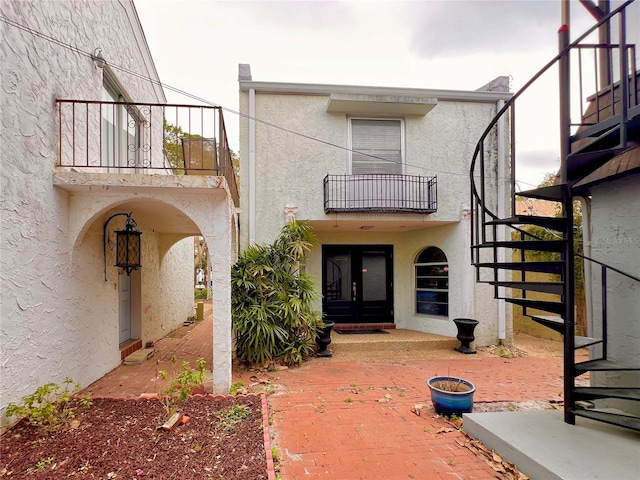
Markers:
point(128, 347)
point(376, 331)
point(338, 327)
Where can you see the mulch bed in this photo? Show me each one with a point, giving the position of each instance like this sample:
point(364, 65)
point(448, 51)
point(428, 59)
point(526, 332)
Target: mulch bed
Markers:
point(120, 439)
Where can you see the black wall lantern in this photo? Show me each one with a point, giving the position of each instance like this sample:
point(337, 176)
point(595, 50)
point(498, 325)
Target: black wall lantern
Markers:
point(127, 245)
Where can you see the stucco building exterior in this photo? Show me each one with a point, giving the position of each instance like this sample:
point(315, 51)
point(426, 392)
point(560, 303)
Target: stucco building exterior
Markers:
point(82, 140)
point(381, 174)
point(611, 226)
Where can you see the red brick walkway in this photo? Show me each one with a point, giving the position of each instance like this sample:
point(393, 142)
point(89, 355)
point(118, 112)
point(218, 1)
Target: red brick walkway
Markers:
point(186, 344)
point(328, 422)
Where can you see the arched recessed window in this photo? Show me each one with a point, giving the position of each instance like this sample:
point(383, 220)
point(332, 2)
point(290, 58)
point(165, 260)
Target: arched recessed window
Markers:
point(432, 282)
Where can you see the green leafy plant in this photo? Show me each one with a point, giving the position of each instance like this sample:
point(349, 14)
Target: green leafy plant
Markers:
point(44, 462)
point(505, 353)
point(275, 454)
point(182, 383)
point(231, 417)
point(236, 388)
point(272, 312)
point(50, 405)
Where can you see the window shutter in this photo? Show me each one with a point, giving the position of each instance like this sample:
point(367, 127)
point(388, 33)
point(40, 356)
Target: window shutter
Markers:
point(376, 146)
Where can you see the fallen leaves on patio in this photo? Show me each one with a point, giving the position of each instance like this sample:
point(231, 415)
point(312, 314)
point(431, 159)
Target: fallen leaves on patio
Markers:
point(445, 430)
point(494, 460)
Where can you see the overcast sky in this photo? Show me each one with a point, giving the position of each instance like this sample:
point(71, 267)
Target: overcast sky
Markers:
point(459, 45)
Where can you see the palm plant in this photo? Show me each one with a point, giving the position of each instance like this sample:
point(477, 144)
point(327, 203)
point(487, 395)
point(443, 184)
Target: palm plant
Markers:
point(272, 312)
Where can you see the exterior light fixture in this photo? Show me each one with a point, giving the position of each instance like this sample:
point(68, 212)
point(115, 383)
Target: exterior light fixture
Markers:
point(98, 59)
point(127, 245)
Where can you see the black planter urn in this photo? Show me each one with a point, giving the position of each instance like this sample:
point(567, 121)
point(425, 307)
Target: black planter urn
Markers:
point(323, 339)
point(466, 326)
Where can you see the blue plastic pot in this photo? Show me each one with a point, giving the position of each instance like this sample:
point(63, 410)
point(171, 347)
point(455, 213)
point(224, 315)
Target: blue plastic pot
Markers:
point(451, 403)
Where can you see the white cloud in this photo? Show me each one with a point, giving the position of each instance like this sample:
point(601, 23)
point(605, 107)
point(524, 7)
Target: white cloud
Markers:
point(442, 28)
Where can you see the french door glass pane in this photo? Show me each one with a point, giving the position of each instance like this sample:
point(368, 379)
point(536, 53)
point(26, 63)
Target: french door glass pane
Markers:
point(338, 277)
point(374, 277)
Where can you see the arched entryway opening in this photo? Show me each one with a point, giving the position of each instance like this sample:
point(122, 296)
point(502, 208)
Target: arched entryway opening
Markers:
point(117, 312)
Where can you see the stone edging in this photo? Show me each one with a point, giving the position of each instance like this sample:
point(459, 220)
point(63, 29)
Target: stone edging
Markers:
point(271, 471)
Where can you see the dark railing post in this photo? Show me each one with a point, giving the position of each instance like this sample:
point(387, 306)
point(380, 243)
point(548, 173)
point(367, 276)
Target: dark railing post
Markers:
point(483, 198)
point(624, 81)
point(512, 151)
point(567, 206)
point(604, 312)
point(604, 38)
point(224, 155)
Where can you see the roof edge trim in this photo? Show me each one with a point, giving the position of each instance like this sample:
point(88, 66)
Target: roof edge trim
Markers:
point(284, 88)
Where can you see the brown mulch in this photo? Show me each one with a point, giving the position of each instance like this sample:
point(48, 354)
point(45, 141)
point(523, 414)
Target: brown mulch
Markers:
point(120, 439)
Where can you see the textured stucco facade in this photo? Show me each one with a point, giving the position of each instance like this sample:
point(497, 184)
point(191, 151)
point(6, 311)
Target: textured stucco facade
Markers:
point(285, 167)
point(614, 221)
point(60, 317)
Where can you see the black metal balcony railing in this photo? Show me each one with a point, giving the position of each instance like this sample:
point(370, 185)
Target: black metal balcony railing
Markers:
point(380, 193)
point(121, 137)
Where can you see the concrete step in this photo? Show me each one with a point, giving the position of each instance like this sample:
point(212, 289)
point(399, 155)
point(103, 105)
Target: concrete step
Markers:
point(397, 340)
point(139, 356)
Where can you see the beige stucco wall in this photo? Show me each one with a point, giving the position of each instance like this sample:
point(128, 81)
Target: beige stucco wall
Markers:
point(615, 240)
point(289, 170)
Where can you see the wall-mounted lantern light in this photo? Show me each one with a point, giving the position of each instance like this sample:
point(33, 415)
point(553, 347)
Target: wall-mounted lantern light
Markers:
point(127, 245)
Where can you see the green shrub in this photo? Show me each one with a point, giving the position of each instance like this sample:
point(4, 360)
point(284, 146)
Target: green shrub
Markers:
point(182, 383)
point(233, 416)
point(272, 312)
point(200, 294)
point(50, 405)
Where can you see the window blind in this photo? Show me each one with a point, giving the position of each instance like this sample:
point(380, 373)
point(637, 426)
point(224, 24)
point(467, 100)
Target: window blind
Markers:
point(377, 146)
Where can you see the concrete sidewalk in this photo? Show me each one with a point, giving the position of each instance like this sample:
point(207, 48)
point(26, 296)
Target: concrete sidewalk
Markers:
point(348, 420)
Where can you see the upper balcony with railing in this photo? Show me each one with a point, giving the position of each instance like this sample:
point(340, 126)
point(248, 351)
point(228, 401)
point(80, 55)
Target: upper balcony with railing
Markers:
point(380, 193)
point(123, 137)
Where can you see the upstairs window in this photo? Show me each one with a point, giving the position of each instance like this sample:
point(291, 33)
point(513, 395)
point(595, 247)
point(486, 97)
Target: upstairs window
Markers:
point(376, 146)
point(432, 282)
point(120, 128)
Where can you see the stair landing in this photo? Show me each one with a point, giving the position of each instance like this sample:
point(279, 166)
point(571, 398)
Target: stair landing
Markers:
point(533, 439)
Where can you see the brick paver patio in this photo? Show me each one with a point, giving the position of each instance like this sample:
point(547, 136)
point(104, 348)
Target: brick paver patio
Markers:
point(349, 420)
